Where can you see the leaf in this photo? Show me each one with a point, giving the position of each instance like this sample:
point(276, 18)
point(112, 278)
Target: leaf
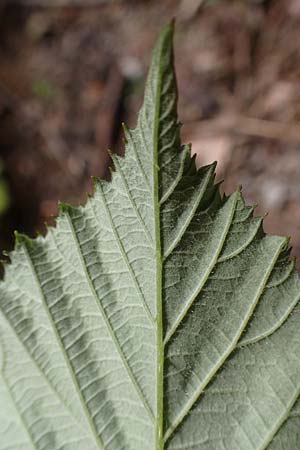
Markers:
point(157, 316)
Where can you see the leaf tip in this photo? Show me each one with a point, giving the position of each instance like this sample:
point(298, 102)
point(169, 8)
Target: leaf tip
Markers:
point(164, 46)
point(168, 30)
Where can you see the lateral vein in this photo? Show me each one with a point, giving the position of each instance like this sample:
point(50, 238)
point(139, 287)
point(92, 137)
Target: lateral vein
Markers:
point(69, 365)
point(190, 403)
point(107, 322)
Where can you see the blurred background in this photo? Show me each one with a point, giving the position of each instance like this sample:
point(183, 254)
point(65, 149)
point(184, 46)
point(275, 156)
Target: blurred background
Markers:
point(72, 70)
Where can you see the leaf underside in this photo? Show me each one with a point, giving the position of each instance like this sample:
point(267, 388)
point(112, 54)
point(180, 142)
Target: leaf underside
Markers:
point(157, 316)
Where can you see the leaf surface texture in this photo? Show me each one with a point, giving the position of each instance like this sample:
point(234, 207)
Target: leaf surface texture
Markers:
point(157, 316)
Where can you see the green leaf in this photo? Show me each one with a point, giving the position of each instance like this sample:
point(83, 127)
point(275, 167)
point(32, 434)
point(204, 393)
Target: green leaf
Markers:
point(157, 316)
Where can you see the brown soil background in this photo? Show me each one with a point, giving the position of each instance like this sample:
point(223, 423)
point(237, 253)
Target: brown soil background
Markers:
point(69, 75)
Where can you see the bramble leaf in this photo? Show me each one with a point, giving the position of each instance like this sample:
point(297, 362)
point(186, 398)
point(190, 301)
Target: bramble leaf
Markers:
point(157, 316)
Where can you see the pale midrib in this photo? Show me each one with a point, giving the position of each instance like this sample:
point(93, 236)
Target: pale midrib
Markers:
point(84, 406)
point(159, 431)
point(107, 323)
point(187, 408)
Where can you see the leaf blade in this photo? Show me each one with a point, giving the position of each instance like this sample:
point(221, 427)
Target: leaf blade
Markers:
point(158, 316)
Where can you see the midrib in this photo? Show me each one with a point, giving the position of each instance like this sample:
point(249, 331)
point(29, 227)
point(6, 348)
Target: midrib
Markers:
point(159, 440)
